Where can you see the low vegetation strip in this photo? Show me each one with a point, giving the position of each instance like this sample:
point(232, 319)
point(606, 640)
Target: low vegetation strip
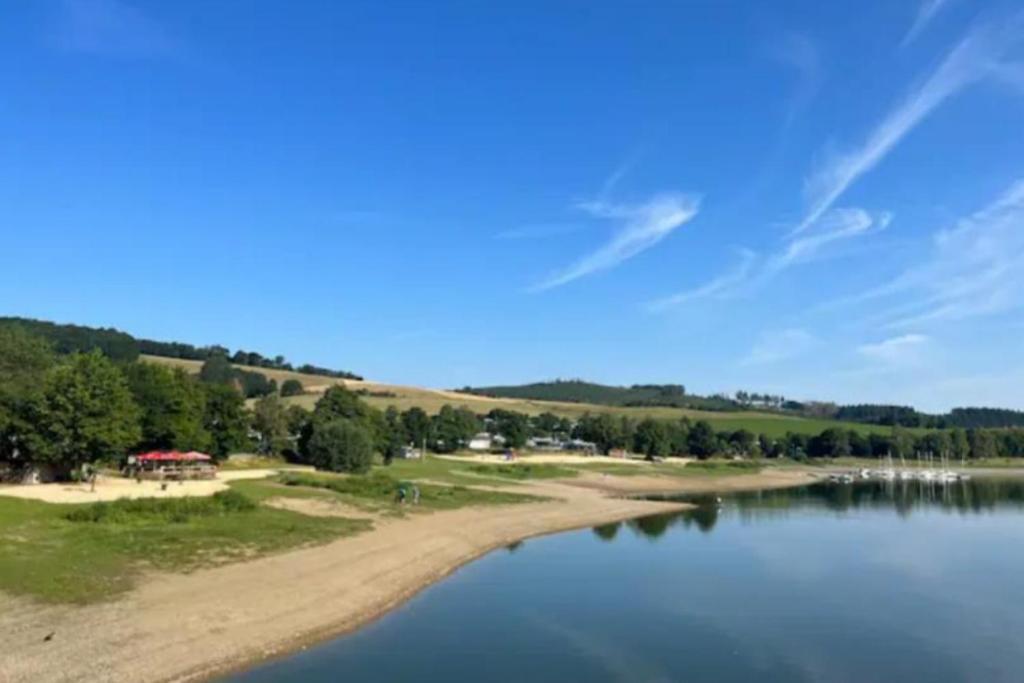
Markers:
point(172, 510)
point(379, 488)
point(525, 471)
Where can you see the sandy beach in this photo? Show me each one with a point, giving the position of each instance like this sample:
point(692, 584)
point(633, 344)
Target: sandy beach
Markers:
point(199, 625)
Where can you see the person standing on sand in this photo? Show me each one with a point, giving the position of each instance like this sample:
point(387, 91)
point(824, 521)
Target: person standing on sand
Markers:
point(415, 494)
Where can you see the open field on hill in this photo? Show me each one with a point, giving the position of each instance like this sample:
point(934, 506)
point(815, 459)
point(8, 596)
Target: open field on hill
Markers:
point(382, 395)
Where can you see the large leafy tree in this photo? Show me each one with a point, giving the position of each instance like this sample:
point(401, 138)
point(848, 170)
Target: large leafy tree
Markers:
point(226, 420)
point(336, 404)
point(394, 435)
point(603, 430)
point(172, 407)
point(341, 445)
point(512, 426)
point(417, 425)
point(702, 440)
point(217, 370)
point(271, 421)
point(453, 428)
point(86, 412)
point(24, 361)
point(652, 438)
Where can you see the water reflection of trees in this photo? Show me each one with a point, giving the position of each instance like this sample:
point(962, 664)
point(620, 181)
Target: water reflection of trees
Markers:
point(903, 497)
point(964, 497)
point(607, 532)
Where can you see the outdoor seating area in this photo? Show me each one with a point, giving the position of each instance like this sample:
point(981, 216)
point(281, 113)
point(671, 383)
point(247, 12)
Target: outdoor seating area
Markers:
point(172, 465)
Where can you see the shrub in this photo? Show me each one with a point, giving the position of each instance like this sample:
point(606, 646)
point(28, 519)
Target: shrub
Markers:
point(175, 510)
point(292, 387)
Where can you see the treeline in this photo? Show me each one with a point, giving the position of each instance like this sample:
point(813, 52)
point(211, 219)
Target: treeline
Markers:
point(905, 416)
point(579, 391)
point(121, 346)
point(66, 339)
point(66, 410)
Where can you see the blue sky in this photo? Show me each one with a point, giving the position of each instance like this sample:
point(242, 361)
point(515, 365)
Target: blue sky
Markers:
point(823, 200)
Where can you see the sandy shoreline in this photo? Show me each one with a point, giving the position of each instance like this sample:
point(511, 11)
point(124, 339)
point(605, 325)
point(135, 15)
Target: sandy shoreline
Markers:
point(201, 625)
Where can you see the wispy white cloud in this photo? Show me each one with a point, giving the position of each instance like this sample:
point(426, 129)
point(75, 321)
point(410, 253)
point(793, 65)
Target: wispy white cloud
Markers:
point(113, 28)
point(536, 231)
point(835, 226)
point(643, 226)
point(838, 225)
point(617, 174)
point(974, 58)
point(896, 351)
point(718, 286)
point(926, 11)
point(776, 346)
point(974, 269)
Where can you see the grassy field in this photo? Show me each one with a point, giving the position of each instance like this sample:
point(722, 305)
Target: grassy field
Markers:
point(85, 553)
point(378, 490)
point(431, 400)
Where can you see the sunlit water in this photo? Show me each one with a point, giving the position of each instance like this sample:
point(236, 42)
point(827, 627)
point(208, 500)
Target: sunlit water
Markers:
point(869, 582)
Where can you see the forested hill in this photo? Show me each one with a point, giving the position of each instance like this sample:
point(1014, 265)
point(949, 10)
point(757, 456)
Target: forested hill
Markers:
point(905, 416)
point(122, 346)
point(578, 391)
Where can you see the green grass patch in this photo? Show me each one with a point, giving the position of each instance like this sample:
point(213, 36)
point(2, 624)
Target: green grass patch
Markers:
point(379, 489)
point(673, 468)
point(167, 510)
point(85, 553)
point(445, 470)
point(253, 462)
point(524, 471)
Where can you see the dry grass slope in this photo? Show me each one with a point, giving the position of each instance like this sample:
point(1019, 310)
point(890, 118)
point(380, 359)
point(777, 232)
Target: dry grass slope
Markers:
point(403, 397)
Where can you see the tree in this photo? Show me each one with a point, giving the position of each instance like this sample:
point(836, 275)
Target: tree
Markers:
point(226, 419)
point(337, 402)
point(959, 446)
point(860, 445)
point(395, 437)
point(512, 426)
point(86, 412)
point(217, 370)
point(296, 418)
point(546, 424)
point(936, 443)
point(603, 430)
point(292, 387)
point(417, 425)
point(452, 428)
point(172, 406)
point(341, 445)
point(743, 441)
point(24, 361)
point(270, 421)
point(831, 443)
point(983, 443)
point(652, 438)
point(702, 440)
point(679, 436)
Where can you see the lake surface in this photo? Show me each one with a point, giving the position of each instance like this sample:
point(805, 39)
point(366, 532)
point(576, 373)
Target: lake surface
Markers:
point(863, 582)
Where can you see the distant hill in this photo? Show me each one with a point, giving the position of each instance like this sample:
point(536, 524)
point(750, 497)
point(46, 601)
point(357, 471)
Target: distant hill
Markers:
point(122, 346)
point(906, 416)
point(579, 391)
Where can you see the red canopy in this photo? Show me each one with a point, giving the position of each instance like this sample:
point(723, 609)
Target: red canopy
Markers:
point(173, 456)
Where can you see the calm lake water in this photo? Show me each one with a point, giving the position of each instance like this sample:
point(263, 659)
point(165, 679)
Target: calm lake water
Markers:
point(868, 582)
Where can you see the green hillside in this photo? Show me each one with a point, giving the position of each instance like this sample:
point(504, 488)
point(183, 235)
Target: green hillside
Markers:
point(579, 391)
